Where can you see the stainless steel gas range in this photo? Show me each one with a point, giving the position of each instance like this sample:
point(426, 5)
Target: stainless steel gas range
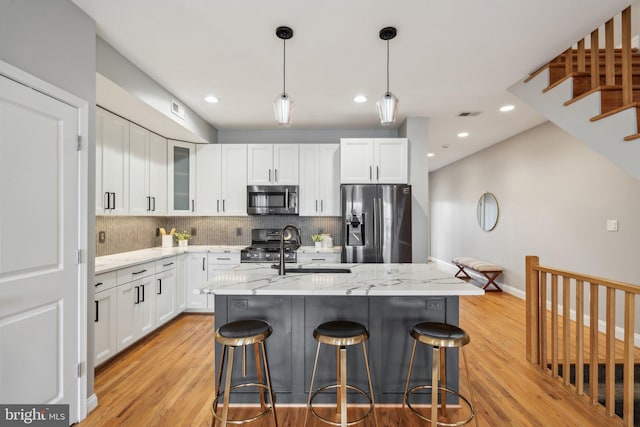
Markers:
point(265, 246)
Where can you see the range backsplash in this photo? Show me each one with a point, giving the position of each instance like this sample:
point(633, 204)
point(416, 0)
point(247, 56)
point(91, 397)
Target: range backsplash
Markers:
point(129, 233)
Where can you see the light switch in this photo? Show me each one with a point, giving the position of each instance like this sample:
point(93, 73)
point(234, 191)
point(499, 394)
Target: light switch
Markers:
point(612, 225)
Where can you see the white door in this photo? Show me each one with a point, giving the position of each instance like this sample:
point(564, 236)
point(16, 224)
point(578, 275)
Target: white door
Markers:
point(165, 296)
point(158, 174)
point(285, 164)
point(196, 278)
point(139, 199)
point(38, 248)
point(234, 179)
point(208, 180)
point(308, 191)
point(181, 174)
point(104, 327)
point(328, 179)
point(115, 164)
point(260, 164)
point(356, 161)
point(391, 161)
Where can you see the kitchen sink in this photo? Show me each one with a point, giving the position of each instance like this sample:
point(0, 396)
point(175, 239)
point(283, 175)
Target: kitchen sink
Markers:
point(331, 270)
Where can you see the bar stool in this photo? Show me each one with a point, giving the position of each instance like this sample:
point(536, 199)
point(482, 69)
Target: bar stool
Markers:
point(440, 336)
point(341, 334)
point(242, 333)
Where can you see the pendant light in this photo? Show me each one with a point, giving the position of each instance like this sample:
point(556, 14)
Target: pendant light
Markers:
point(388, 103)
point(283, 105)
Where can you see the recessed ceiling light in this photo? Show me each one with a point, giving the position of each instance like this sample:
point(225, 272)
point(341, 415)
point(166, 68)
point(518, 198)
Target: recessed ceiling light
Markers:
point(359, 99)
point(506, 108)
point(212, 99)
point(430, 154)
point(463, 134)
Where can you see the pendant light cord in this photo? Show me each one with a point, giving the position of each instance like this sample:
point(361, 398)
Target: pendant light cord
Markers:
point(387, 66)
point(284, 67)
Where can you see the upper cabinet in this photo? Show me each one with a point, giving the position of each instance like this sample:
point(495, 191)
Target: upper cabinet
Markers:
point(147, 172)
point(272, 164)
point(112, 164)
point(221, 183)
point(181, 174)
point(319, 180)
point(374, 161)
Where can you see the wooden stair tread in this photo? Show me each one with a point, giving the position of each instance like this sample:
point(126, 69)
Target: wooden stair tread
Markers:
point(574, 74)
point(614, 111)
point(601, 88)
point(632, 137)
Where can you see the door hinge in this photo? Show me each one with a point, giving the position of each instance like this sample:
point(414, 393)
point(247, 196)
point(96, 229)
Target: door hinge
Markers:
point(79, 256)
point(79, 146)
point(80, 366)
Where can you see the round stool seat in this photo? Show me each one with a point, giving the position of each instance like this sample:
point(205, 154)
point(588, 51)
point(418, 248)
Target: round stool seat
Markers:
point(440, 334)
point(243, 332)
point(341, 333)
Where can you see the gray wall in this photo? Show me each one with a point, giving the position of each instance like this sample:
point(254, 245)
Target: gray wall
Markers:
point(555, 196)
point(115, 67)
point(415, 129)
point(55, 41)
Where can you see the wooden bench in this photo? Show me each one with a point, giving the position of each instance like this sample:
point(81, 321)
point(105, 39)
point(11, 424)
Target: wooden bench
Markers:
point(488, 270)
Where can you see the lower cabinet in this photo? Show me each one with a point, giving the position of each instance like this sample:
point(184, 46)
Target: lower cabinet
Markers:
point(197, 278)
point(314, 258)
point(133, 301)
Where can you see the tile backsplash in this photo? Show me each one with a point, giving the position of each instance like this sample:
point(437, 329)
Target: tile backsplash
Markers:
point(128, 233)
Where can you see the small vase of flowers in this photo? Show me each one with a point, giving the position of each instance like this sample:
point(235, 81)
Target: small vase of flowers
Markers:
point(182, 238)
point(317, 239)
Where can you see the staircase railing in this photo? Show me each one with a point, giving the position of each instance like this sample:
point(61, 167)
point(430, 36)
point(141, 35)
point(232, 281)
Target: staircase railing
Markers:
point(549, 345)
point(607, 70)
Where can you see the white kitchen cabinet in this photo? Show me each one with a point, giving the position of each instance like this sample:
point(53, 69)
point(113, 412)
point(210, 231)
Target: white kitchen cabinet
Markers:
point(105, 338)
point(217, 262)
point(136, 310)
point(139, 200)
point(112, 164)
point(196, 279)
point(272, 164)
point(165, 292)
point(181, 171)
point(158, 174)
point(181, 283)
point(319, 180)
point(221, 183)
point(374, 161)
point(315, 258)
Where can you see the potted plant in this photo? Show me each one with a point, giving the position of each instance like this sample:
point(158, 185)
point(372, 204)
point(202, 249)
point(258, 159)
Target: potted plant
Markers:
point(182, 238)
point(317, 238)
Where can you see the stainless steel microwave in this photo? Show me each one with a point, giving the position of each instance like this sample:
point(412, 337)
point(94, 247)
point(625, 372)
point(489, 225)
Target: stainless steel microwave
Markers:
point(272, 199)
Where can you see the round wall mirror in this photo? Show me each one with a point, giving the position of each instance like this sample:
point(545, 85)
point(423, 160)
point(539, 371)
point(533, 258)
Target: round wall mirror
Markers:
point(487, 211)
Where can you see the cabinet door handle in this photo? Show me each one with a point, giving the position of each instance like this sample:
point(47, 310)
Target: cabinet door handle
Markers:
point(218, 205)
point(137, 295)
point(321, 205)
point(167, 265)
point(97, 308)
point(223, 259)
point(142, 287)
point(316, 206)
point(269, 175)
point(377, 173)
point(154, 204)
point(276, 174)
point(108, 204)
point(114, 200)
point(224, 208)
point(370, 173)
point(148, 204)
point(193, 205)
point(160, 287)
point(203, 260)
point(318, 259)
point(98, 284)
point(139, 272)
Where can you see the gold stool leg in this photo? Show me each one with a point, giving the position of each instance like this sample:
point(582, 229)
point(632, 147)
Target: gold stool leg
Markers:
point(373, 402)
point(227, 388)
point(443, 381)
point(343, 386)
point(435, 368)
point(218, 382)
point(338, 389)
point(259, 373)
point(269, 386)
point(313, 377)
point(406, 386)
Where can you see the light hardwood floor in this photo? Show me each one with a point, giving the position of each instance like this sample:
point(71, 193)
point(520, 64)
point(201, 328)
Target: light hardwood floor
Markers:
point(167, 379)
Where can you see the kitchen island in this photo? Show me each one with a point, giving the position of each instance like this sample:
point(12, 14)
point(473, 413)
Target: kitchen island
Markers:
point(387, 298)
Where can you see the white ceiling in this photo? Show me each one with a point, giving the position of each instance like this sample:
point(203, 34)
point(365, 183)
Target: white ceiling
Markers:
point(448, 57)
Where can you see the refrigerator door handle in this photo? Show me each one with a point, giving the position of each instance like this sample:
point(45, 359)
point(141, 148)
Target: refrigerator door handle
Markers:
point(376, 228)
point(380, 230)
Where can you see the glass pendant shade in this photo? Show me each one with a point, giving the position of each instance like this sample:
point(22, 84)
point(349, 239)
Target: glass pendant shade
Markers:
point(283, 106)
point(387, 109)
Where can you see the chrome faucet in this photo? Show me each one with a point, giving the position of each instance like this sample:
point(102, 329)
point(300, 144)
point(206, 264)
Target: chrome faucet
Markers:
point(281, 269)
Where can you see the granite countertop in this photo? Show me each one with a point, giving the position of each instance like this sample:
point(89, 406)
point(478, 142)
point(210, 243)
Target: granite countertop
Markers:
point(364, 279)
point(108, 263)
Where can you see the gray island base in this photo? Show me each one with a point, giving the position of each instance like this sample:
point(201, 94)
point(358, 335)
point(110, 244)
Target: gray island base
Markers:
point(387, 298)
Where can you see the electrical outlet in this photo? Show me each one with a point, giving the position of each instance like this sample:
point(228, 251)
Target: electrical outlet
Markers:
point(238, 231)
point(193, 231)
point(612, 225)
point(102, 237)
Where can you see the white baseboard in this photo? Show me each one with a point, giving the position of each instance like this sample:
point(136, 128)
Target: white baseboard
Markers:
point(517, 292)
point(92, 403)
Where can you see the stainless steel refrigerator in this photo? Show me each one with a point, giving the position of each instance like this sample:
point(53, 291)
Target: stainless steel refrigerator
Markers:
point(377, 223)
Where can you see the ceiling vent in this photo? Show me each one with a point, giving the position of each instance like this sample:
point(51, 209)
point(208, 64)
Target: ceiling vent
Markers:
point(469, 114)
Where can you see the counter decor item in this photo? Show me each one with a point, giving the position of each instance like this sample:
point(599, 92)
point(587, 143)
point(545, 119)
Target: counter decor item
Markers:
point(167, 239)
point(327, 241)
point(183, 239)
point(317, 239)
